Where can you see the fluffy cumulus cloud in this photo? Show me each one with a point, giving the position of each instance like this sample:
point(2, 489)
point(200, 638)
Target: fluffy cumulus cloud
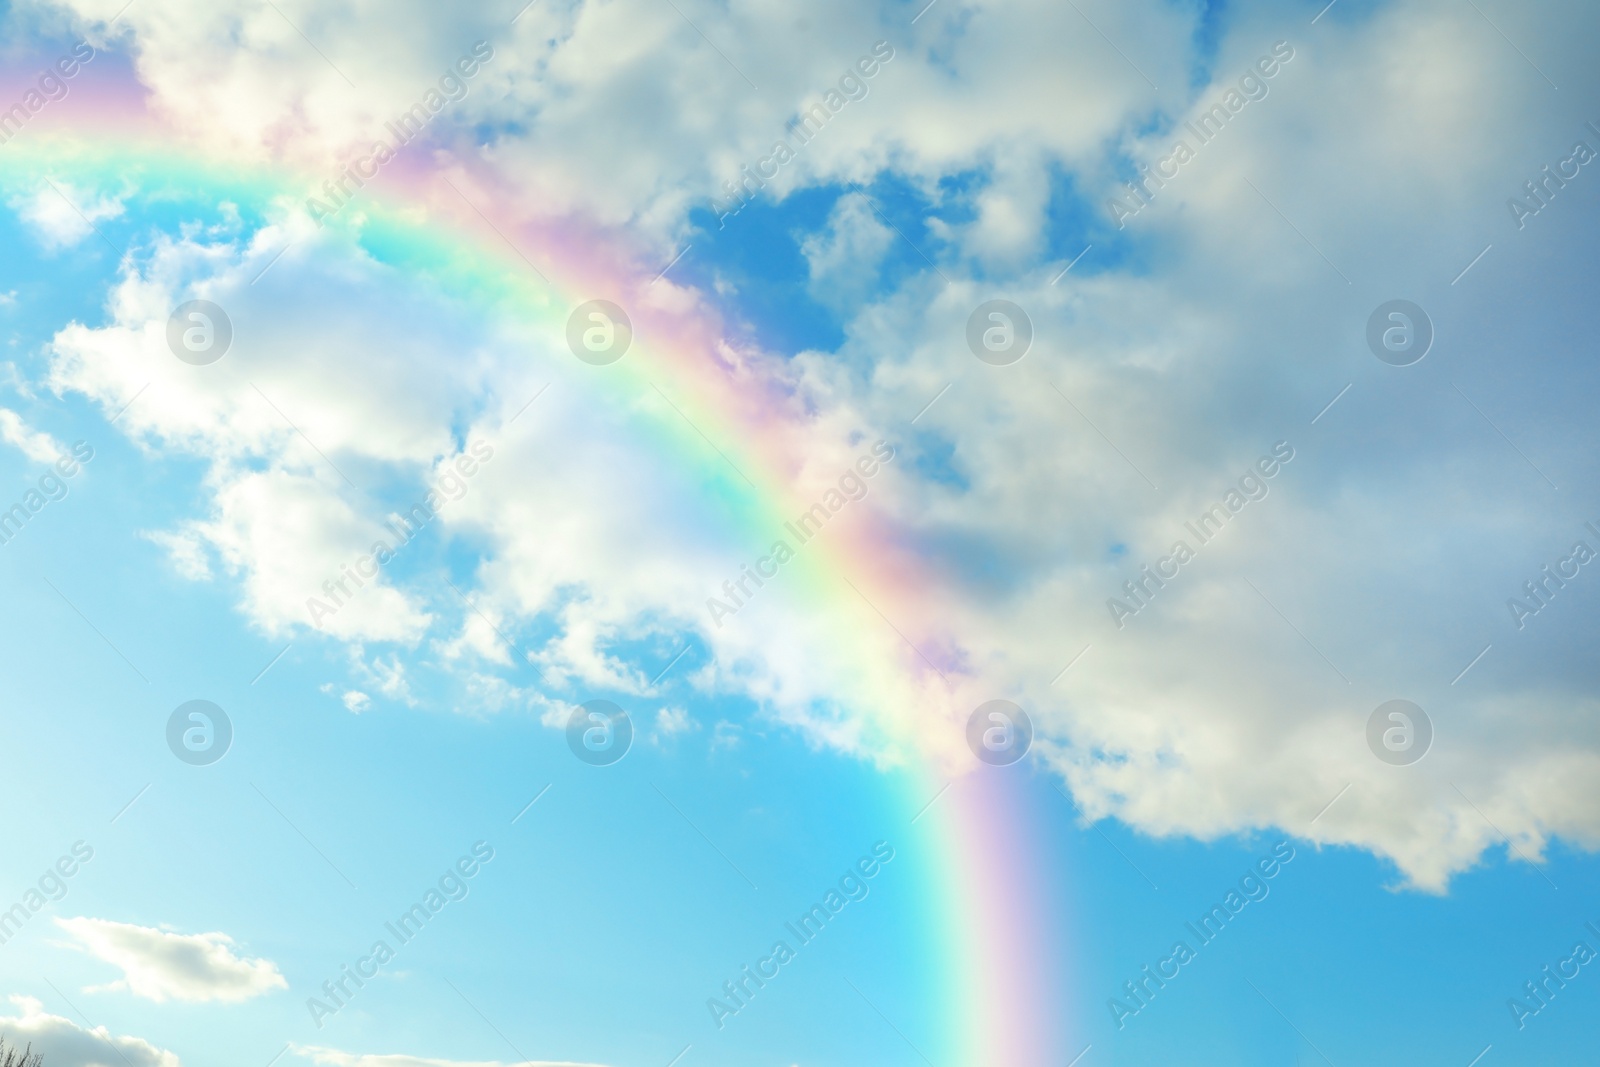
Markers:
point(570, 83)
point(278, 437)
point(1373, 567)
point(1217, 311)
point(162, 965)
point(63, 1043)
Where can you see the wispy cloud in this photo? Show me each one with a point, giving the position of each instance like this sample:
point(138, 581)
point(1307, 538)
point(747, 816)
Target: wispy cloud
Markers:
point(329, 1057)
point(35, 444)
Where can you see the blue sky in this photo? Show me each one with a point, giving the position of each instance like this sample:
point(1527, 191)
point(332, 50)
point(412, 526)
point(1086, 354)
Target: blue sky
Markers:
point(1227, 716)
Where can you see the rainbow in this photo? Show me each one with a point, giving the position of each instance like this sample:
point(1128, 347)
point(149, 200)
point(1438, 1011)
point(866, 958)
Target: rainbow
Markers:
point(994, 996)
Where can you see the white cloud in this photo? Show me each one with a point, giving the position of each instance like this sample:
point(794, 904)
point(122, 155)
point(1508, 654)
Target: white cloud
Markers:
point(356, 701)
point(162, 965)
point(293, 530)
point(388, 674)
point(290, 538)
point(672, 721)
point(844, 259)
point(187, 550)
point(61, 216)
point(334, 1058)
point(35, 444)
point(63, 1043)
point(553, 713)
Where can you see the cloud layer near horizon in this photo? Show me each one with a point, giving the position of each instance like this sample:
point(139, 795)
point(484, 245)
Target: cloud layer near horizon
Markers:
point(60, 1042)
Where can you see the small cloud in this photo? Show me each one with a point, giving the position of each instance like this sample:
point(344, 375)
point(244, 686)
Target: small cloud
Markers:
point(35, 444)
point(725, 735)
point(63, 1043)
point(491, 692)
point(62, 216)
point(13, 379)
point(387, 676)
point(553, 713)
point(356, 701)
point(162, 965)
point(186, 549)
point(8, 300)
point(230, 221)
point(330, 1057)
point(671, 722)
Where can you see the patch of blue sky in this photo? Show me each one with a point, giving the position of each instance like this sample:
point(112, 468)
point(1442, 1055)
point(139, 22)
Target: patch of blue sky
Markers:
point(933, 457)
point(1075, 223)
point(1209, 28)
point(1323, 948)
point(755, 257)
